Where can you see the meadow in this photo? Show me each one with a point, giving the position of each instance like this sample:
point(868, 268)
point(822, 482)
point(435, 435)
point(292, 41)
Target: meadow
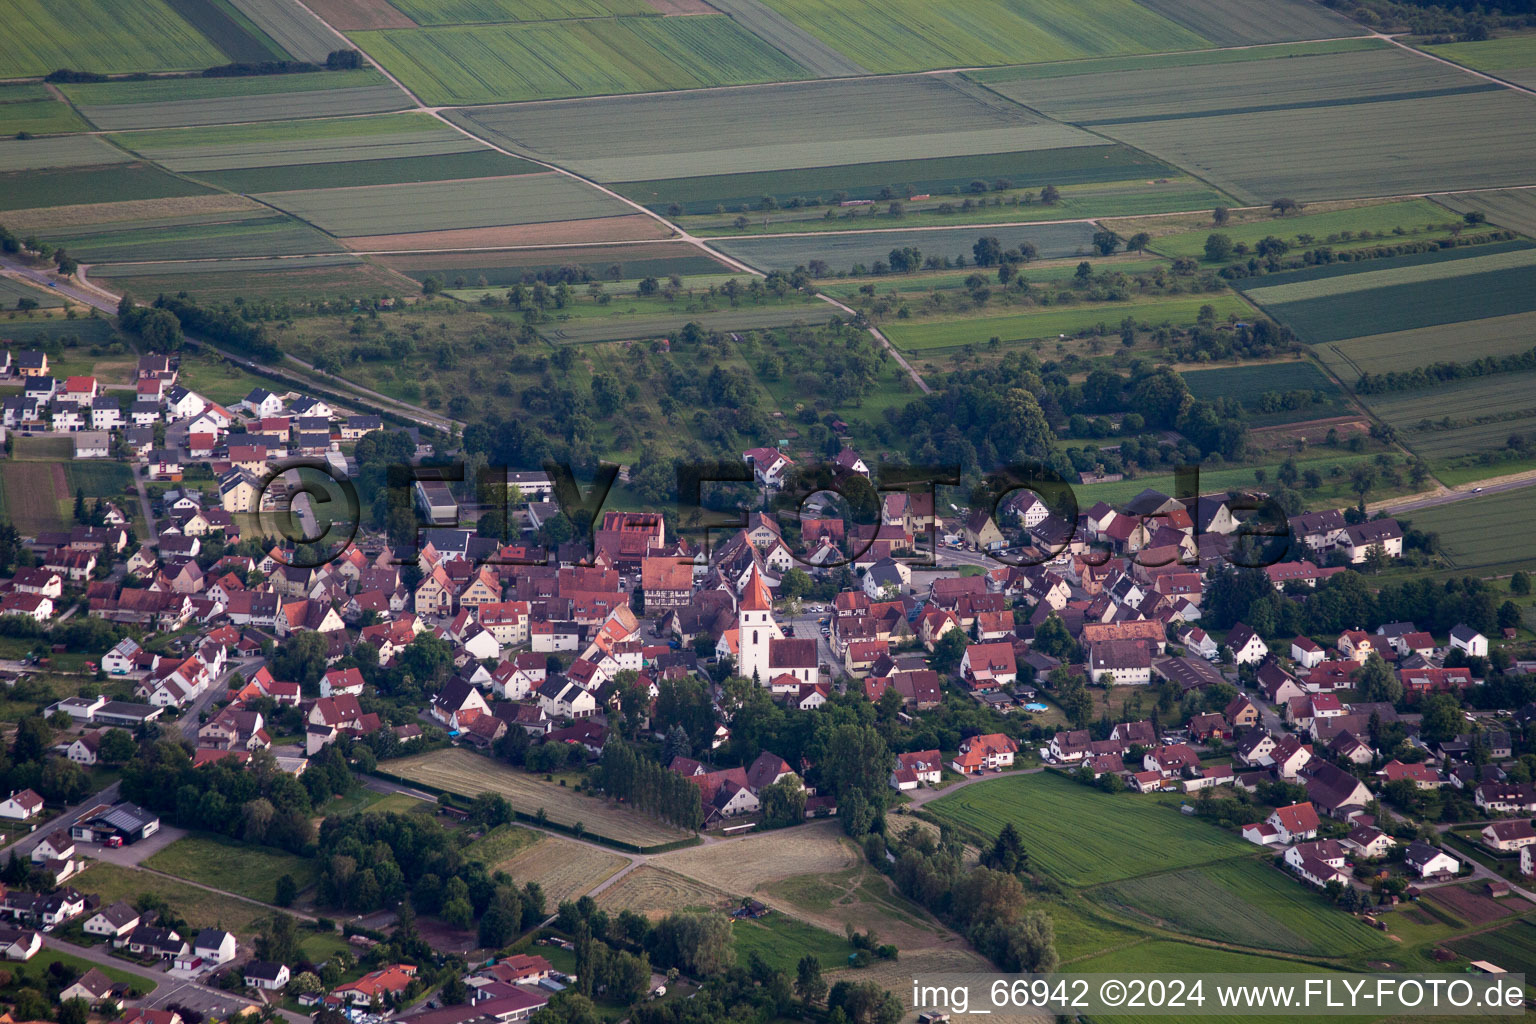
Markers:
point(1483, 413)
point(774, 128)
point(249, 870)
point(1183, 92)
point(104, 36)
point(1353, 150)
point(584, 331)
point(662, 259)
point(479, 163)
point(781, 941)
point(1487, 535)
point(1405, 350)
point(843, 251)
point(1052, 321)
point(435, 206)
point(1246, 902)
point(201, 908)
point(553, 59)
point(1511, 208)
point(29, 107)
point(468, 775)
point(1412, 219)
point(911, 35)
point(284, 143)
point(565, 869)
point(321, 94)
point(1082, 836)
point(1512, 57)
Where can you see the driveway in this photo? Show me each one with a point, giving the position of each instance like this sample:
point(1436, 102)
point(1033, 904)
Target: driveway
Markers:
point(133, 854)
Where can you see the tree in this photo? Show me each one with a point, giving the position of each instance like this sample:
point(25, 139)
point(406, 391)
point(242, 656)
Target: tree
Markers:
point(987, 250)
point(278, 940)
point(864, 1002)
point(1007, 854)
point(1218, 248)
point(1283, 206)
point(1050, 195)
point(1520, 582)
point(810, 986)
point(1220, 215)
point(1105, 242)
point(947, 651)
point(287, 890)
point(74, 1011)
point(1509, 615)
point(1442, 718)
point(117, 747)
point(1139, 242)
point(1376, 681)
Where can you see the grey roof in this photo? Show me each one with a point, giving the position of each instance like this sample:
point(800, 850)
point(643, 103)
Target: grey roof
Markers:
point(127, 817)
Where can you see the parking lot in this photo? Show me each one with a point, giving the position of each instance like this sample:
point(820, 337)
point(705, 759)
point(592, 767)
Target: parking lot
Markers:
point(190, 996)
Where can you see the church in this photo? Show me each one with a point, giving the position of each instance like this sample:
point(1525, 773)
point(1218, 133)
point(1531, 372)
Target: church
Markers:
point(766, 656)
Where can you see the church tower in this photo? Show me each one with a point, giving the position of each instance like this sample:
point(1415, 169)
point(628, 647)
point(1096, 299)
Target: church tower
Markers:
point(755, 629)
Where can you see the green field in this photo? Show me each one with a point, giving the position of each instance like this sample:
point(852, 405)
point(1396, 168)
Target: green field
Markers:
point(58, 151)
point(1366, 278)
point(215, 236)
point(200, 908)
point(1511, 208)
point(170, 103)
point(99, 479)
point(788, 38)
point(782, 128)
point(1415, 217)
point(1484, 412)
point(1392, 307)
point(1352, 150)
point(27, 190)
point(1512, 947)
point(1511, 57)
point(1247, 383)
point(1246, 902)
point(433, 206)
point(842, 251)
point(292, 27)
point(101, 35)
point(1182, 59)
point(299, 279)
point(480, 163)
point(781, 941)
point(1082, 836)
point(32, 108)
point(285, 143)
point(467, 12)
point(1181, 92)
point(13, 291)
point(547, 60)
point(509, 267)
point(1244, 22)
point(911, 35)
point(1485, 536)
point(1048, 322)
point(249, 870)
point(1406, 350)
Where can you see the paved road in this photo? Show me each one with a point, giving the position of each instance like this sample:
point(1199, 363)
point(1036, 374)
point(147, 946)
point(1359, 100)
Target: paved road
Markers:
point(1462, 493)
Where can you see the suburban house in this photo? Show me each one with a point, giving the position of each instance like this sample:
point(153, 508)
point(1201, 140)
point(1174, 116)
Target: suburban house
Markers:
point(992, 751)
point(1296, 822)
point(1430, 862)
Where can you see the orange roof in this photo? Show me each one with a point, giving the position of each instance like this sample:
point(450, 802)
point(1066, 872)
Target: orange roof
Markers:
point(755, 598)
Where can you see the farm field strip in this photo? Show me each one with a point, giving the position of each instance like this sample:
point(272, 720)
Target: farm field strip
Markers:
point(509, 267)
point(767, 127)
point(1248, 383)
point(280, 143)
point(1184, 59)
point(13, 291)
point(1399, 307)
point(1132, 96)
point(1368, 279)
point(1405, 350)
point(274, 235)
point(1244, 22)
point(106, 36)
point(445, 206)
point(30, 107)
point(347, 15)
point(1050, 321)
point(1511, 57)
point(788, 38)
point(842, 251)
point(1077, 834)
point(343, 280)
point(1483, 532)
point(564, 869)
point(556, 234)
point(1512, 947)
point(469, 775)
point(1505, 401)
point(59, 151)
point(1457, 142)
point(121, 182)
point(1452, 254)
point(49, 218)
point(292, 27)
point(469, 12)
point(911, 35)
point(366, 99)
point(244, 265)
point(479, 163)
point(1511, 208)
point(554, 59)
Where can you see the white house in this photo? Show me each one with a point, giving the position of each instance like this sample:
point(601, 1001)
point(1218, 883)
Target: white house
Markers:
point(1247, 647)
point(121, 659)
point(20, 806)
point(1428, 861)
point(213, 946)
point(1465, 638)
point(264, 975)
point(1295, 823)
point(112, 922)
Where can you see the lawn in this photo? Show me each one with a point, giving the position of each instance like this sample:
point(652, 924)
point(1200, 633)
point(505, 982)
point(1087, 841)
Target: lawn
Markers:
point(466, 774)
point(38, 966)
point(104, 36)
point(1079, 835)
point(548, 60)
point(1246, 902)
point(911, 35)
point(243, 868)
point(1049, 322)
point(200, 908)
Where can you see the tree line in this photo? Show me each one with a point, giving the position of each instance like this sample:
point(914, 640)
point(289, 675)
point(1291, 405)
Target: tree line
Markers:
point(649, 786)
point(1442, 372)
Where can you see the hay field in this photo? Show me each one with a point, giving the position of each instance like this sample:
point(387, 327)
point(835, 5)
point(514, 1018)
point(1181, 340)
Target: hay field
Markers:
point(657, 892)
point(563, 868)
point(82, 214)
point(741, 865)
point(888, 36)
point(553, 59)
point(773, 127)
point(466, 774)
